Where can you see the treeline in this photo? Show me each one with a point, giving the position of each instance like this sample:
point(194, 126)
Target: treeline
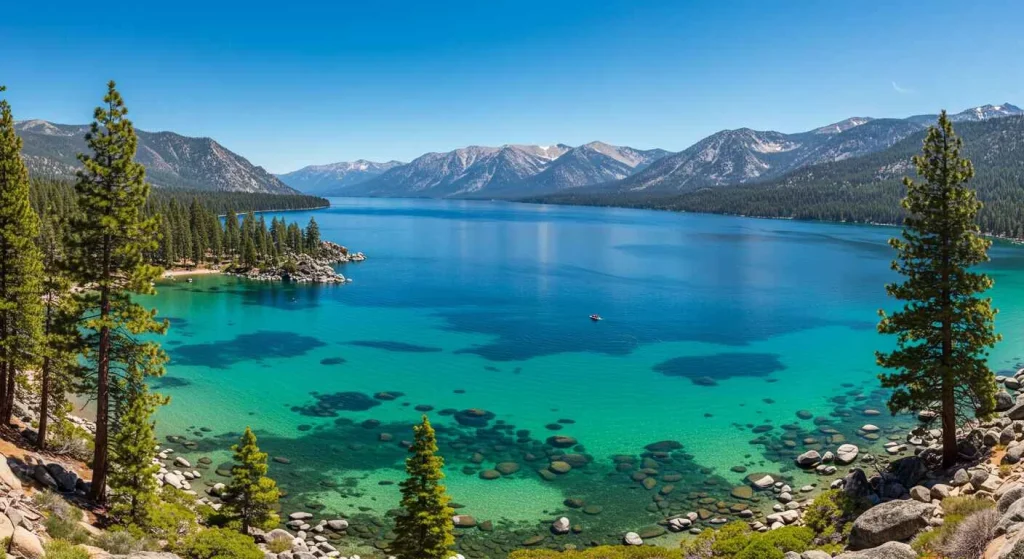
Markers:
point(190, 229)
point(865, 189)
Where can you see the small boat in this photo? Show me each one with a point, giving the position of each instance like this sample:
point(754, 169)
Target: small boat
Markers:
point(189, 280)
point(596, 317)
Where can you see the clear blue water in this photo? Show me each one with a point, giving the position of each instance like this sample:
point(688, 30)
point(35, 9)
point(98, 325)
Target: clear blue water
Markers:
point(712, 326)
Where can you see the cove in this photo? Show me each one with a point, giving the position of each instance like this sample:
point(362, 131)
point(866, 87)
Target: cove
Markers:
point(717, 331)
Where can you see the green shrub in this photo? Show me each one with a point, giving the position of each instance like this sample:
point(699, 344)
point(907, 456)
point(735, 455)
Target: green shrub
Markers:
point(957, 509)
point(171, 522)
point(736, 539)
point(831, 515)
point(62, 549)
point(279, 545)
point(120, 542)
point(759, 549)
point(62, 518)
point(219, 543)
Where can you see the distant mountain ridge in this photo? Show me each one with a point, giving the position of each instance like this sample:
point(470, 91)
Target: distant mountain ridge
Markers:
point(728, 157)
point(741, 156)
point(332, 179)
point(171, 160)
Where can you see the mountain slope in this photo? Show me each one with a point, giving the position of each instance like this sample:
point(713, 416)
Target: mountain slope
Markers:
point(462, 172)
point(865, 189)
point(171, 160)
point(589, 164)
point(744, 156)
point(332, 179)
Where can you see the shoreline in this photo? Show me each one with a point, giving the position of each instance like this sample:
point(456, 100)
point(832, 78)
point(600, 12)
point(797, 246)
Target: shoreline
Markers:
point(311, 208)
point(183, 272)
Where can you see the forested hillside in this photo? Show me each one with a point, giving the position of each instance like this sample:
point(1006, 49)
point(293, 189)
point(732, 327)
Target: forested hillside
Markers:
point(191, 231)
point(864, 189)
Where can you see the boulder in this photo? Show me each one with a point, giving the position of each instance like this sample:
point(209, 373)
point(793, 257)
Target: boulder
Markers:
point(891, 550)
point(1016, 412)
point(889, 522)
point(338, 524)
point(846, 453)
point(42, 475)
point(66, 479)
point(6, 527)
point(815, 554)
point(808, 459)
point(632, 538)
point(921, 493)
point(960, 478)
point(26, 544)
point(856, 485)
point(1003, 400)
point(763, 482)
point(560, 526)
point(7, 476)
point(909, 471)
point(300, 516)
point(181, 461)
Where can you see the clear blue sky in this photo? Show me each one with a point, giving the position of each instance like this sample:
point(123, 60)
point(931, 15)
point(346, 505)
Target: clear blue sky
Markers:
point(292, 83)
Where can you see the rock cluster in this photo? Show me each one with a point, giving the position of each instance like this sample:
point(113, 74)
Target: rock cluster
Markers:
point(304, 268)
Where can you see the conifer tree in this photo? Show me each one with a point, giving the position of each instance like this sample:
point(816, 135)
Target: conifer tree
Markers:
point(944, 330)
point(111, 236)
point(231, 238)
point(312, 239)
point(424, 531)
point(253, 494)
point(20, 305)
point(132, 478)
point(61, 342)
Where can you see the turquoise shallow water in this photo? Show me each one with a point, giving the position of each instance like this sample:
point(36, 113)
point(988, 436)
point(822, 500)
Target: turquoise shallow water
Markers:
point(713, 326)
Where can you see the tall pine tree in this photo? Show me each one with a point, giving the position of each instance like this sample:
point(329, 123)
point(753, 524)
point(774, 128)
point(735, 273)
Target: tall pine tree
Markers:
point(61, 342)
point(133, 473)
point(944, 330)
point(111, 236)
point(312, 239)
point(253, 495)
point(20, 268)
point(425, 529)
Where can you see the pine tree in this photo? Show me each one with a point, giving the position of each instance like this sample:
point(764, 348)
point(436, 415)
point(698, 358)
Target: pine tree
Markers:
point(20, 268)
point(231, 240)
point(312, 239)
point(132, 478)
point(253, 495)
point(111, 236)
point(944, 330)
point(424, 531)
point(61, 343)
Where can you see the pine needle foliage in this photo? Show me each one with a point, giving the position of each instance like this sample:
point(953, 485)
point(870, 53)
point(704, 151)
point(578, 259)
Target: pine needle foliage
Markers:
point(945, 329)
point(111, 238)
point(253, 494)
point(20, 267)
point(425, 531)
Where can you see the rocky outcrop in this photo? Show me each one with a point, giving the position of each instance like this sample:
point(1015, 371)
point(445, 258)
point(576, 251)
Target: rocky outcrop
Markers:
point(891, 550)
point(890, 522)
point(304, 268)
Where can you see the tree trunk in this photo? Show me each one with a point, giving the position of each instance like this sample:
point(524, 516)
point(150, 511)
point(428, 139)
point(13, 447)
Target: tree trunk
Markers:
point(99, 460)
point(949, 448)
point(44, 404)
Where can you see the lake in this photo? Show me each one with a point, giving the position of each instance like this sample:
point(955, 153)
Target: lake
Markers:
point(716, 331)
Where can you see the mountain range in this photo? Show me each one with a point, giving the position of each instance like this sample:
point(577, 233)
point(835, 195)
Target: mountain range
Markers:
point(171, 160)
point(729, 157)
point(333, 178)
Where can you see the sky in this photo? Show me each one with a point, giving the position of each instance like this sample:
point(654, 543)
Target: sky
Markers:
point(289, 84)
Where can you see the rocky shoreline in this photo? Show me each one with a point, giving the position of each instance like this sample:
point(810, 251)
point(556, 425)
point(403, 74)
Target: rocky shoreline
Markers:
point(304, 268)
